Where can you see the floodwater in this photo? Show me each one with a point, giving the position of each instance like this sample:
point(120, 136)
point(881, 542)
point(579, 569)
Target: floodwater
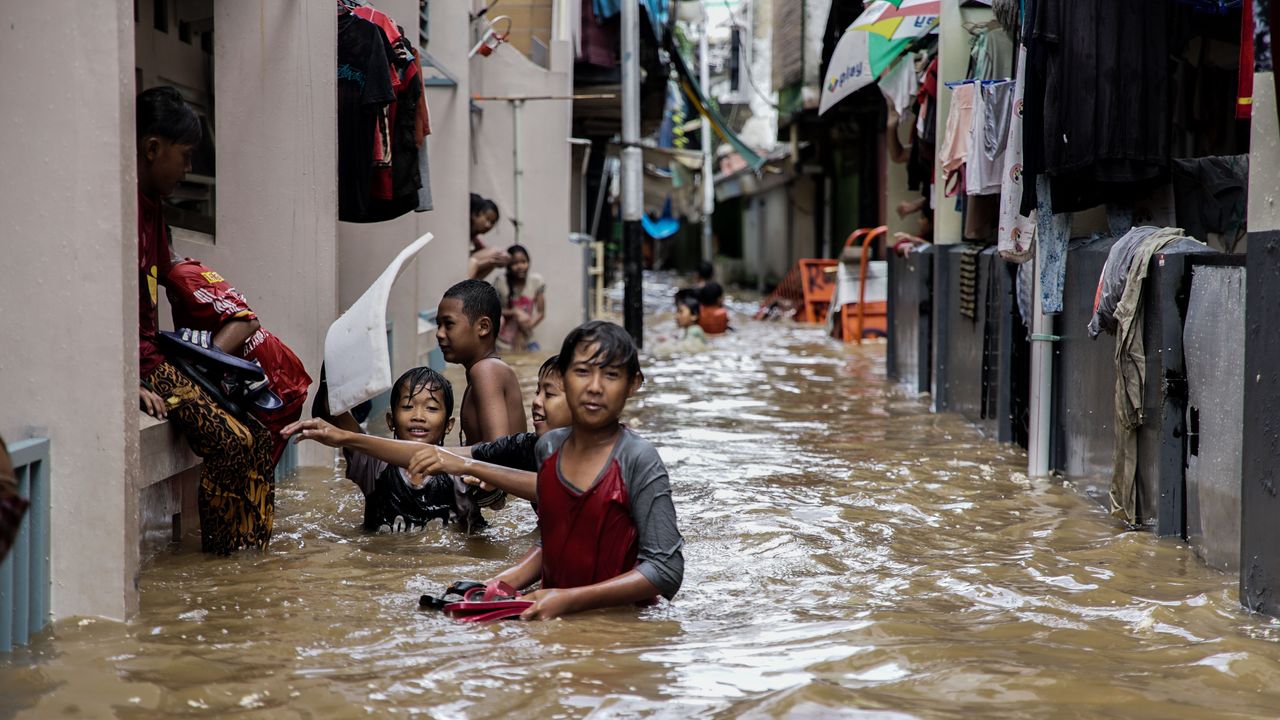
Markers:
point(848, 554)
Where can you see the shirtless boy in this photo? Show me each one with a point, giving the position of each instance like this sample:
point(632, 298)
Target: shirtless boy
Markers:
point(469, 316)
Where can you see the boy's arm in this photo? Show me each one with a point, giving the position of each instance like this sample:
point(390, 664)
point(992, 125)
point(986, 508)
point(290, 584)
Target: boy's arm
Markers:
point(626, 589)
point(489, 395)
point(393, 452)
point(524, 573)
point(234, 333)
point(433, 460)
point(320, 409)
point(661, 548)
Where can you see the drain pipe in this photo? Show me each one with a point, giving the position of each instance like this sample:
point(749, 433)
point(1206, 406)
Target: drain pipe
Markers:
point(1042, 347)
point(517, 165)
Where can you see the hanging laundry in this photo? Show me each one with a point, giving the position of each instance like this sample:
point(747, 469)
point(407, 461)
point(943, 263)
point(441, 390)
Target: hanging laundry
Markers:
point(988, 138)
point(1211, 196)
point(900, 84)
point(1131, 375)
point(1015, 233)
point(397, 176)
point(955, 140)
point(1102, 128)
point(364, 89)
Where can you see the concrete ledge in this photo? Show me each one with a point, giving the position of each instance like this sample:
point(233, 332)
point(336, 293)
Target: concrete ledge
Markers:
point(164, 453)
point(167, 486)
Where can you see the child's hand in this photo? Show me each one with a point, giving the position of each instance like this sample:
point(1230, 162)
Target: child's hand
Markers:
point(548, 604)
point(151, 402)
point(315, 429)
point(433, 460)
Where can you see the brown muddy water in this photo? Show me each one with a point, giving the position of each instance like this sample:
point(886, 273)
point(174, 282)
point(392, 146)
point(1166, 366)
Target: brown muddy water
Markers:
point(848, 554)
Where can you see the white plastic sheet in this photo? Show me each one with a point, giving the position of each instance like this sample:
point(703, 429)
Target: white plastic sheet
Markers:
point(357, 357)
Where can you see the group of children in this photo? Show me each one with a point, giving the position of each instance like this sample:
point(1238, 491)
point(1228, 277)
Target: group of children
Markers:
point(603, 499)
point(607, 525)
point(700, 310)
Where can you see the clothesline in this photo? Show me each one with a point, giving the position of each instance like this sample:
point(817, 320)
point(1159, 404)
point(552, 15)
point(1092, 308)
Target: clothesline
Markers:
point(985, 83)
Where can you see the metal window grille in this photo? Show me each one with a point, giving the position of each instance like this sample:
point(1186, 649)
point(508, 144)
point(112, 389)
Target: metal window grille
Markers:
point(24, 574)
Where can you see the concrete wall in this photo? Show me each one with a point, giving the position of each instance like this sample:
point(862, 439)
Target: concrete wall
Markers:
point(69, 284)
point(277, 187)
point(545, 186)
point(1082, 436)
point(444, 262)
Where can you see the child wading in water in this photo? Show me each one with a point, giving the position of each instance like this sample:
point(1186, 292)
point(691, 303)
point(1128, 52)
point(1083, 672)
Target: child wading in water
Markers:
point(469, 315)
point(516, 453)
point(688, 310)
point(608, 526)
point(524, 303)
point(421, 412)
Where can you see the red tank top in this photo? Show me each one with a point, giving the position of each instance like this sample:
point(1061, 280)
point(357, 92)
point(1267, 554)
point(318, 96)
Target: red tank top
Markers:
point(587, 537)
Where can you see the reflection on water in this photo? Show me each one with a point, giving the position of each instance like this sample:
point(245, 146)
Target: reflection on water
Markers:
point(848, 553)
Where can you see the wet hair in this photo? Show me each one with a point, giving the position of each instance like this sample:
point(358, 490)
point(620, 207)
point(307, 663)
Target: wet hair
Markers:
point(691, 302)
point(482, 204)
point(706, 270)
point(161, 112)
point(479, 299)
point(711, 294)
point(548, 365)
point(614, 347)
point(424, 378)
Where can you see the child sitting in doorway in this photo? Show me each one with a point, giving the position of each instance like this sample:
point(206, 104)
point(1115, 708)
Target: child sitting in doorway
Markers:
point(607, 523)
point(524, 302)
point(421, 412)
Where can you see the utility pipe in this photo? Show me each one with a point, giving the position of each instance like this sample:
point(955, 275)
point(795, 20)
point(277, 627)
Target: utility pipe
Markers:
point(1041, 417)
point(632, 177)
point(517, 166)
point(708, 176)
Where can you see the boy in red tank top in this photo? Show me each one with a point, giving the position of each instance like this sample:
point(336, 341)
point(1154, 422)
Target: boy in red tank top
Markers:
point(607, 523)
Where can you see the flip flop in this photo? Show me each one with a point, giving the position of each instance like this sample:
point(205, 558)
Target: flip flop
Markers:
point(503, 614)
point(468, 607)
point(454, 593)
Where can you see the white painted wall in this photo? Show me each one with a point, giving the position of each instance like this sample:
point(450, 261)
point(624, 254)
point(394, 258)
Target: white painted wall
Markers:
point(444, 262)
point(276, 122)
point(545, 127)
point(69, 286)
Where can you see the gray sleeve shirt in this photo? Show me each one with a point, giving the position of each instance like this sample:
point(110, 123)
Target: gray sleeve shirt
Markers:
point(660, 559)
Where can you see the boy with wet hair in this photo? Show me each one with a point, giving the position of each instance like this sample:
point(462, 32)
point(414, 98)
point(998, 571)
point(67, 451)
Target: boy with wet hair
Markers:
point(607, 523)
point(421, 413)
point(468, 320)
point(508, 463)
